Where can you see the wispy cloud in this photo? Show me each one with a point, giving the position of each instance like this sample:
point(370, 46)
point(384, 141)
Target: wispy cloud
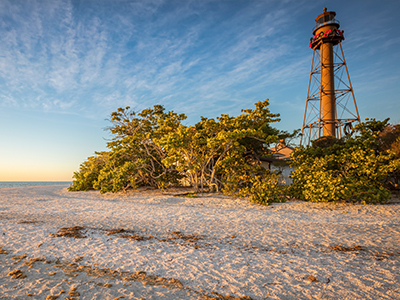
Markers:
point(70, 57)
point(91, 57)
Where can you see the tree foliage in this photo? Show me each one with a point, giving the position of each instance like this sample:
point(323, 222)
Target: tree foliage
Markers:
point(390, 141)
point(154, 148)
point(134, 158)
point(352, 168)
point(264, 189)
point(86, 178)
point(214, 152)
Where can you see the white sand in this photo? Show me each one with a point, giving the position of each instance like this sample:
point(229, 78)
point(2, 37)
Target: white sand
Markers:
point(226, 246)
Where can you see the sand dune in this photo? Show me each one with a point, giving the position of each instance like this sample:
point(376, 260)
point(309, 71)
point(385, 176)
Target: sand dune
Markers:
point(148, 245)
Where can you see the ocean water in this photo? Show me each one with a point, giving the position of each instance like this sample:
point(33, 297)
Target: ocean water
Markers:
point(7, 184)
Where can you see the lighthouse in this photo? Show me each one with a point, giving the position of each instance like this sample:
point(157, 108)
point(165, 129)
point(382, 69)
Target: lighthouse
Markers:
point(331, 107)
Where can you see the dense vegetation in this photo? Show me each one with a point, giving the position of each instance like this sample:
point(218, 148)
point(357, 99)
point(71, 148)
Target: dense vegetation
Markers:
point(354, 168)
point(153, 148)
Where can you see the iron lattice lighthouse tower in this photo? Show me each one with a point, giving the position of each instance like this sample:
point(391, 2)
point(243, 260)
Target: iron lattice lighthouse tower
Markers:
point(331, 106)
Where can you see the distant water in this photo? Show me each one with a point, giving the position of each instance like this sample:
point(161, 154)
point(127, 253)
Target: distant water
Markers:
point(7, 184)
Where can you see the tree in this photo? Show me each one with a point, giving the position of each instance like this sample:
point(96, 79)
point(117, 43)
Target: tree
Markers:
point(390, 141)
point(214, 153)
point(134, 158)
point(153, 148)
point(89, 171)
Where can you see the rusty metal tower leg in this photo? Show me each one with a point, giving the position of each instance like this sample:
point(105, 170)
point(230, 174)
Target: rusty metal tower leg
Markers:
point(350, 87)
point(305, 111)
point(312, 122)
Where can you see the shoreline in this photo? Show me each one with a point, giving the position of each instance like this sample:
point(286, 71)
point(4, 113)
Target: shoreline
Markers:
point(13, 184)
point(210, 247)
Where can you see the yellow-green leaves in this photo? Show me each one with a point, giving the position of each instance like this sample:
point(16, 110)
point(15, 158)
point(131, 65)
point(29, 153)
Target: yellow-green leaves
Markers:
point(264, 189)
point(153, 148)
point(352, 169)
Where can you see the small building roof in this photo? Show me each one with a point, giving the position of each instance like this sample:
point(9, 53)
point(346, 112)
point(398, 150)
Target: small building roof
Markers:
point(281, 151)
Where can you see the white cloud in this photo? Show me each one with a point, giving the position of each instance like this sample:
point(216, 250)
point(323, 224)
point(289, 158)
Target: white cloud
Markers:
point(88, 57)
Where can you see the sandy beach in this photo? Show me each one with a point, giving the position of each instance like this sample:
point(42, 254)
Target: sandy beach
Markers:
point(145, 244)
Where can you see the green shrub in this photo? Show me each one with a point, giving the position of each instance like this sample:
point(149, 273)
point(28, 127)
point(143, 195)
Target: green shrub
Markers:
point(264, 190)
point(86, 178)
point(352, 168)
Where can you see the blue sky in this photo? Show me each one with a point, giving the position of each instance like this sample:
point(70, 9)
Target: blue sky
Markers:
point(66, 65)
